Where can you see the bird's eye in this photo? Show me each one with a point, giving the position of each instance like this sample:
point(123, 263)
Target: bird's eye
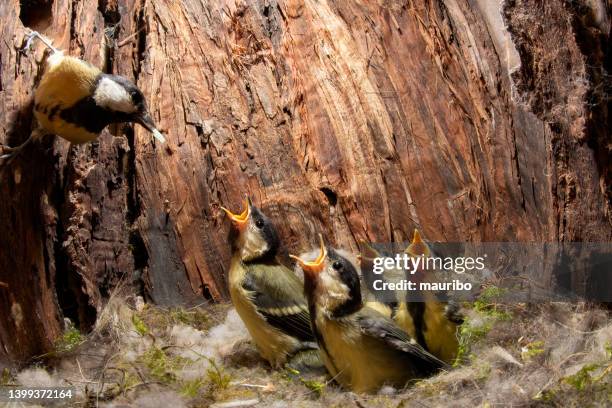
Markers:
point(136, 96)
point(259, 223)
point(337, 265)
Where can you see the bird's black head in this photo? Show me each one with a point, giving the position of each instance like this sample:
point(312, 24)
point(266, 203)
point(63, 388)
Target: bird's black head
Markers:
point(332, 282)
point(124, 101)
point(253, 234)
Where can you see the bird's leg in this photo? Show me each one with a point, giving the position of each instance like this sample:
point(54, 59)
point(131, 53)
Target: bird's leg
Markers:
point(36, 34)
point(13, 152)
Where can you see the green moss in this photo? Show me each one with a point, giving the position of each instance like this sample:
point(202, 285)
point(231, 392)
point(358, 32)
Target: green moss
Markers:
point(69, 340)
point(546, 396)
point(608, 348)
point(5, 377)
point(469, 334)
point(161, 366)
point(317, 387)
point(129, 381)
point(217, 377)
point(487, 303)
point(582, 378)
point(291, 371)
point(139, 325)
point(195, 318)
point(191, 388)
point(157, 320)
point(532, 349)
point(483, 370)
point(491, 293)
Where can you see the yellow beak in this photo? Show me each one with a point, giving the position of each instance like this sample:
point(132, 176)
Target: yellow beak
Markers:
point(239, 219)
point(313, 268)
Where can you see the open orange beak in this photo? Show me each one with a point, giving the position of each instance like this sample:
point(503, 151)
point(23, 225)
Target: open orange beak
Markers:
point(417, 247)
point(240, 219)
point(313, 268)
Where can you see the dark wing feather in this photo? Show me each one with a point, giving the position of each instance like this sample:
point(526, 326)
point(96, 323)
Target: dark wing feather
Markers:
point(380, 327)
point(278, 295)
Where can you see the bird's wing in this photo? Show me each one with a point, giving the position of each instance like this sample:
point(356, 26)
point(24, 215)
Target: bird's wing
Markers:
point(277, 293)
point(375, 325)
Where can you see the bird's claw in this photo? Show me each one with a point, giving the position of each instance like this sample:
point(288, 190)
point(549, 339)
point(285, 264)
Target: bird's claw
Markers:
point(9, 153)
point(7, 149)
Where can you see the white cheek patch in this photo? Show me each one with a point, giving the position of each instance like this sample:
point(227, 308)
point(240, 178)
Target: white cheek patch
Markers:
point(254, 244)
point(109, 94)
point(332, 291)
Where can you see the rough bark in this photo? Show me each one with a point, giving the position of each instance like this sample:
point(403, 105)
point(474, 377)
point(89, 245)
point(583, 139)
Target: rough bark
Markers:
point(357, 119)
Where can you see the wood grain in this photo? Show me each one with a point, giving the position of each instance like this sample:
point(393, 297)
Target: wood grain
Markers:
point(358, 119)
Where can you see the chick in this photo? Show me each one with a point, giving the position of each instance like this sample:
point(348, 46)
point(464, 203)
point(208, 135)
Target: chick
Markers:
point(371, 298)
point(267, 295)
point(362, 349)
point(75, 100)
point(432, 322)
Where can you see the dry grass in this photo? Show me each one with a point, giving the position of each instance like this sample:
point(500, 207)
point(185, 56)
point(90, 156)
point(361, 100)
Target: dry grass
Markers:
point(518, 355)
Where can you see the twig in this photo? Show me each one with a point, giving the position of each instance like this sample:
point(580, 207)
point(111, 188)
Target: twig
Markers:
point(80, 370)
point(128, 38)
point(143, 384)
point(604, 372)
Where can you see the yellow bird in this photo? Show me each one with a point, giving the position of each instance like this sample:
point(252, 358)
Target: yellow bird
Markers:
point(267, 295)
point(75, 101)
point(371, 298)
point(432, 322)
point(361, 348)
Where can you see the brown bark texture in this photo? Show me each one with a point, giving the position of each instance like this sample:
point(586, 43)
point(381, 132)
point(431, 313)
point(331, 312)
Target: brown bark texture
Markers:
point(472, 120)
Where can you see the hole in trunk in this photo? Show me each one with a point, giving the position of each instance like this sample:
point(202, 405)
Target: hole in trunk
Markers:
point(332, 197)
point(73, 302)
point(35, 14)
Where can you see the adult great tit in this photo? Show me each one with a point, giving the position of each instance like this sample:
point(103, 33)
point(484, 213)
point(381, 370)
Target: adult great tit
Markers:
point(361, 348)
point(267, 295)
point(75, 101)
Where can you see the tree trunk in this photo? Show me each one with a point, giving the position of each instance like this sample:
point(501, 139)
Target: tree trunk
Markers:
point(469, 119)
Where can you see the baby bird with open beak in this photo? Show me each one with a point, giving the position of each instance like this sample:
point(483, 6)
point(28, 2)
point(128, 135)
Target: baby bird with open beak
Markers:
point(432, 322)
point(267, 295)
point(361, 348)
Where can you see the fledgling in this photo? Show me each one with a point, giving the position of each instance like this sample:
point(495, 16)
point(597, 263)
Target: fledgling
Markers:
point(372, 298)
point(432, 322)
point(362, 349)
point(75, 101)
point(267, 295)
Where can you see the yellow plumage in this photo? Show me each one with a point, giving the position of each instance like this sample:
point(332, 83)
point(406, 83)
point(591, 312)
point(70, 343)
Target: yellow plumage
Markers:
point(438, 332)
point(360, 363)
point(380, 307)
point(404, 320)
point(66, 81)
point(273, 345)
